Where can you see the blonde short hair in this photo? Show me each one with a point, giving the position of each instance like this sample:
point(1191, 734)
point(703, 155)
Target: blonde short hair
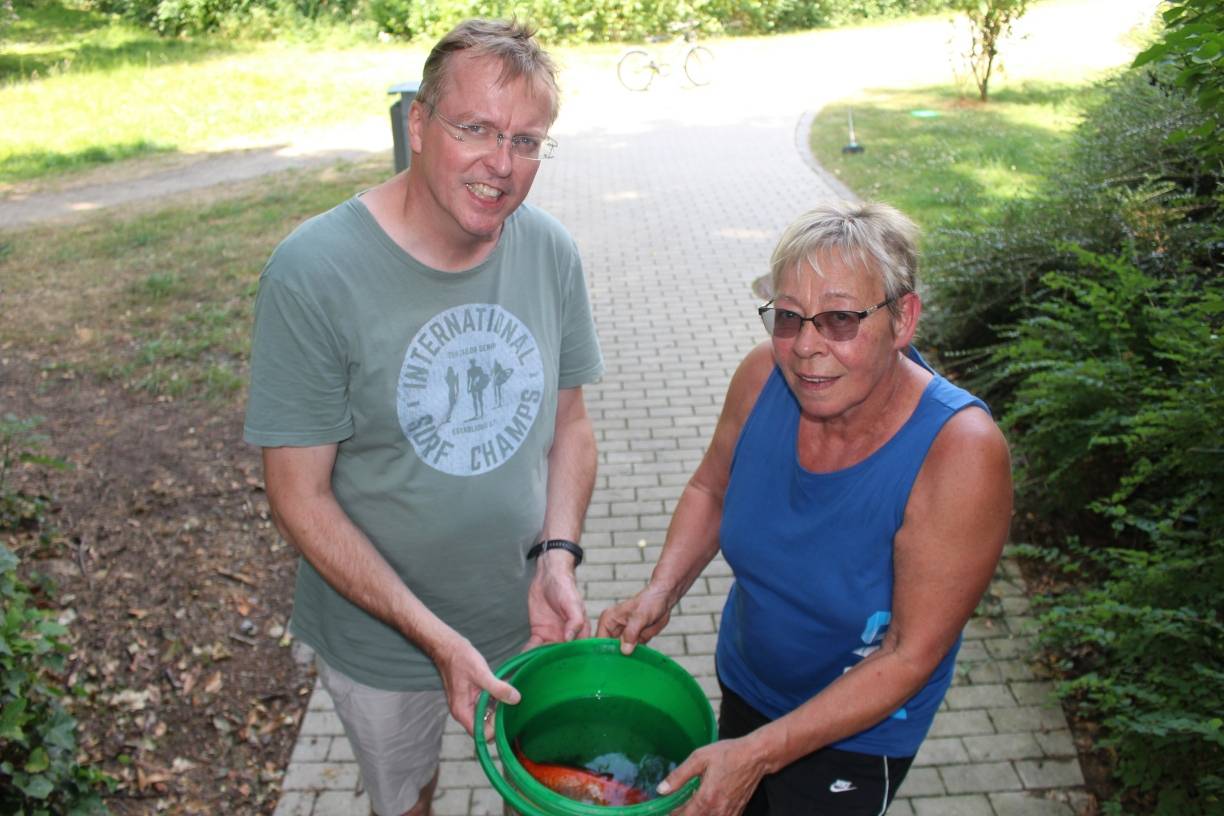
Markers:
point(875, 237)
point(510, 41)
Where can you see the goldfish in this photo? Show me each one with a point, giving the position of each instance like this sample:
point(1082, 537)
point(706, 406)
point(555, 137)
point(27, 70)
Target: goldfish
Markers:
point(580, 784)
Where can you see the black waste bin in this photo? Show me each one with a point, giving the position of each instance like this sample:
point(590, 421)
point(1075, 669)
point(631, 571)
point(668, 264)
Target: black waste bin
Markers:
point(399, 122)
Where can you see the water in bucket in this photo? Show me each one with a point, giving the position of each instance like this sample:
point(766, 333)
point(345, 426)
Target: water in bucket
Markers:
point(585, 705)
point(633, 743)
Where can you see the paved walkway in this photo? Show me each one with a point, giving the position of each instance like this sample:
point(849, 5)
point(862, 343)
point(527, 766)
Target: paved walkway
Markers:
point(675, 198)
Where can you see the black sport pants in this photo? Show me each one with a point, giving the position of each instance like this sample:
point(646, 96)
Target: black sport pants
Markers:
point(827, 782)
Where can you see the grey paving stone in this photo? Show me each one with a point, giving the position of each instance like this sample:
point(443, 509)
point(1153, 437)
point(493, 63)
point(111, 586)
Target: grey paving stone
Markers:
point(981, 673)
point(655, 409)
point(922, 782)
point(1028, 804)
point(700, 644)
point(990, 696)
point(457, 774)
point(1050, 773)
point(342, 803)
point(961, 723)
point(984, 629)
point(693, 604)
point(320, 700)
point(320, 776)
point(1012, 646)
point(295, 803)
point(311, 748)
point(973, 651)
point(1017, 606)
point(341, 751)
point(452, 802)
point(457, 746)
point(321, 723)
point(900, 807)
point(1038, 693)
point(941, 751)
point(1056, 743)
point(690, 624)
point(952, 806)
point(994, 747)
point(981, 777)
point(1028, 718)
point(486, 802)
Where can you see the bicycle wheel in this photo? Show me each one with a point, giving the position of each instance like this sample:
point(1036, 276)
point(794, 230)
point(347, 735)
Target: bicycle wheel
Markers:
point(699, 65)
point(636, 70)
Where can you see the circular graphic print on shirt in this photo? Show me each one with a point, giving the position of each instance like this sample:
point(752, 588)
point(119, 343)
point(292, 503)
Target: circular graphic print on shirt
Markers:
point(469, 389)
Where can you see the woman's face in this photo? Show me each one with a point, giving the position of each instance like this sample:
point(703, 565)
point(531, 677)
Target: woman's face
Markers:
point(832, 378)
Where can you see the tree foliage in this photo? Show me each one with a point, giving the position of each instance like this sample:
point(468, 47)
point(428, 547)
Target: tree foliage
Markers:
point(990, 21)
point(40, 774)
point(1092, 318)
point(1194, 44)
point(559, 21)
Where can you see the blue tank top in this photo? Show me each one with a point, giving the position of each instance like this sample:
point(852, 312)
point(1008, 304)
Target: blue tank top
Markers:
point(812, 559)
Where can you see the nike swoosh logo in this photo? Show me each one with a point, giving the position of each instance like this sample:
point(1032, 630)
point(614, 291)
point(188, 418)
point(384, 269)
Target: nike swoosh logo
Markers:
point(842, 786)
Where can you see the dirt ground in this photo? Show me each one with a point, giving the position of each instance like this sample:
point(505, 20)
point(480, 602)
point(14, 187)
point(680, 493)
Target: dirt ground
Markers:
point(176, 586)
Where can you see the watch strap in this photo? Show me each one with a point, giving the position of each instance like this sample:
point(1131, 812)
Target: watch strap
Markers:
point(556, 544)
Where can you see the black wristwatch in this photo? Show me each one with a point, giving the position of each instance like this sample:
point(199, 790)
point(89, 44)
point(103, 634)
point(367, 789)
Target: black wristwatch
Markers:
point(556, 544)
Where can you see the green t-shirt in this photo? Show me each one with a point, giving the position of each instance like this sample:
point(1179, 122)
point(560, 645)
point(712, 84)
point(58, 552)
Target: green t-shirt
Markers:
point(441, 390)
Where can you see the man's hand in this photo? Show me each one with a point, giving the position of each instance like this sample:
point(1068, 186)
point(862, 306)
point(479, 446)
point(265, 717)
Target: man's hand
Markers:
point(465, 674)
point(554, 604)
point(637, 619)
point(729, 772)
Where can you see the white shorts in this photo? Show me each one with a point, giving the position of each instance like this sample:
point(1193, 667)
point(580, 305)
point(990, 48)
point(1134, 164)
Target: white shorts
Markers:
point(396, 737)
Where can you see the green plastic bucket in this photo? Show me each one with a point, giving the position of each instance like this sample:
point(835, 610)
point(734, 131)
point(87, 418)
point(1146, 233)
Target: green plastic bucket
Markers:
point(583, 699)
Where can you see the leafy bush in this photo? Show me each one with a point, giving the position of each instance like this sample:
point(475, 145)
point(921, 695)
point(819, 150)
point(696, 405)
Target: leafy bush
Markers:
point(1118, 397)
point(989, 22)
point(1194, 45)
point(173, 17)
point(1123, 184)
point(1091, 316)
point(614, 20)
point(39, 771)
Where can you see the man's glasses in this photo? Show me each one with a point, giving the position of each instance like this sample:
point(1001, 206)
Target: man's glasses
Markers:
point(482, 139)
point(838, 325)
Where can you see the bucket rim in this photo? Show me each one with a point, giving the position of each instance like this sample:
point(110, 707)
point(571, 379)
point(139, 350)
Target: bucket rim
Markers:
point(554, 804)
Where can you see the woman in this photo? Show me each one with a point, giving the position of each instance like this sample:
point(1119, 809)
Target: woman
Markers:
point(862, 503)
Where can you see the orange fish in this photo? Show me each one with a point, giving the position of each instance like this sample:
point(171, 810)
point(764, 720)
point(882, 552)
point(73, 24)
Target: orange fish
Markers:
point(580, 784)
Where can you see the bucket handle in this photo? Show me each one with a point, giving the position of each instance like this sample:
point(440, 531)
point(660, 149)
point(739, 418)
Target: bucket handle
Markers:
point(504, 788)
point(510, 794)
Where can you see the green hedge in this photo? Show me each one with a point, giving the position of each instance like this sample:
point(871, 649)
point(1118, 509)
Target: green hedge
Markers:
point(1092, 318)
point(577, 21)
point(40, 773)
point(559, 21)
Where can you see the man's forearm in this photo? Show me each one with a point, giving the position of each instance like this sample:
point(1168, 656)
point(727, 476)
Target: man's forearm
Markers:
point(327, 538)
point(571, 470)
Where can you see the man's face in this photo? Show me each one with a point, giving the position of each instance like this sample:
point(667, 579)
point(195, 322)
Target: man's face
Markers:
point(474, 189)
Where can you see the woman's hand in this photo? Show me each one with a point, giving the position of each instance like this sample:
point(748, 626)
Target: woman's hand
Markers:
point(730, 771)
point(637, 619)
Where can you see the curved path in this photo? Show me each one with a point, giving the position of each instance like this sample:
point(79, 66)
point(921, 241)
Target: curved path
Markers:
point(675, 197)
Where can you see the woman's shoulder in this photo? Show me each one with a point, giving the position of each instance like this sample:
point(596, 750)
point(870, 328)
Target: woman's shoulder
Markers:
point(749, 381)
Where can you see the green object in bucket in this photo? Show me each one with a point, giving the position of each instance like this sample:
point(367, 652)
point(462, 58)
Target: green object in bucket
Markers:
point(584, 699)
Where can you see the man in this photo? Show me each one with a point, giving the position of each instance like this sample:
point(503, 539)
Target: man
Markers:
point(432, 549)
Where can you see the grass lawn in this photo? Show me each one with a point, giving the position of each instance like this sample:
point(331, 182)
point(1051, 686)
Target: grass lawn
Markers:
point(161, 301)
point(945, 159)
point(87, 89)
